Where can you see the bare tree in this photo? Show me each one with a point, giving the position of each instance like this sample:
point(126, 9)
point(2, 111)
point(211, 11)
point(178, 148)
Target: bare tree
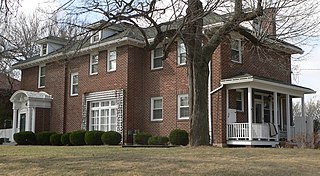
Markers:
point(295, 21)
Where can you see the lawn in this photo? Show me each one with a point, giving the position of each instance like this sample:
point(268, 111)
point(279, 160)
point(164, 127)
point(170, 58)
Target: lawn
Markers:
point(105, 160)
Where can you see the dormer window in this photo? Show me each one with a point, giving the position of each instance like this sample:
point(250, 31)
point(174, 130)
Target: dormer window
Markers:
point(96, 37)
point(44, 49)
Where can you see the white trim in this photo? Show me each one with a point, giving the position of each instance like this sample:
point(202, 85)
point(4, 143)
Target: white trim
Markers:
point(152, 59)
point(239, 50)
point(71, 84)
point(242, 99)
point(250, 115)
point(108, 60)
point(180, 43)
point(91, 64)
point(40, 76)
point(41, 51)
point(95, 34)
point(151, 108)
point(179, 106)
point(107, 115)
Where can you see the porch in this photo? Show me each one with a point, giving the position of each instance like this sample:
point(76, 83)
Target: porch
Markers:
point(259, 111)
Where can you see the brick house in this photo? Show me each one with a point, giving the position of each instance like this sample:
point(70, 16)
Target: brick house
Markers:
point(112, 83)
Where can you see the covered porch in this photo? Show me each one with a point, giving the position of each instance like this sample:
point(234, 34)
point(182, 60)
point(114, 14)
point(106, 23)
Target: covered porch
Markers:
point(259, 111)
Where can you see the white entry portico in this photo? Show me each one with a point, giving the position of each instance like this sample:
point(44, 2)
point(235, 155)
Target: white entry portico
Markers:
point(267, 107)
point(24, 109)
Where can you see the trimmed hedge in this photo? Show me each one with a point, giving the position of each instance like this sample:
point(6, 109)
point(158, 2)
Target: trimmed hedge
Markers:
point(179, 137)
point(55, 139)
point(65, 139)
point(158, 140)
point(1, 141)
point(93, 137)
point(77, 137)
point(25, 138)
point(111, 138)
point(43, 138)
point(142, 138)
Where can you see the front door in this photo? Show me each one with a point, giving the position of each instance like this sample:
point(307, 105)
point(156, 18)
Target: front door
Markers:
point(22, 122)
point(258, 111)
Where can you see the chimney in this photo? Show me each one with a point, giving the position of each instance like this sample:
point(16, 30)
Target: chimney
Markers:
point(266, 24)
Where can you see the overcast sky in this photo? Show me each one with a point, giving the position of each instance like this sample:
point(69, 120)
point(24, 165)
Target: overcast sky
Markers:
point(309, 66)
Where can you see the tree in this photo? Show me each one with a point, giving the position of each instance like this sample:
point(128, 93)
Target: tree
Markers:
point(312, 110)
point(296, 22)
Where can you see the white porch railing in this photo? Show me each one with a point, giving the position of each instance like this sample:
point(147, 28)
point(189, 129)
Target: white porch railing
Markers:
point(7, 133)
point(240, 131)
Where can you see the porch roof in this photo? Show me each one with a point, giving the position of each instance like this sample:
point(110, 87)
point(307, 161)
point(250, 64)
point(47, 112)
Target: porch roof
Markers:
point(245, 80)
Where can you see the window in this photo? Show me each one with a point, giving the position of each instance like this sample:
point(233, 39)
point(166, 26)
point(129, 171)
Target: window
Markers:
point(182, 54)
point(239, 100)
point(74, 84)
point(41, 77)
point(95, 37)
point(236, 51)
point(112, 60)
point(94, 64)
point(183, 107)
point(103, 115)
point(156, 108)
point(44, 49)
point(156, 58)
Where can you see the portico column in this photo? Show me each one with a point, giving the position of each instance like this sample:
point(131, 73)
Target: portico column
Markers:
point(33, 128)
point(28, 119)
point(14, 121)
point(275, 113)
point(250, 112)
point(288, 117)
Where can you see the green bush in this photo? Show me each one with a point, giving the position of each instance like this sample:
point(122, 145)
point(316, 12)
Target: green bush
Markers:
point(93, 137)
point(111, 138)
point(77, 137)
point(65, 139)
point(142, 138)
point(158, 140)
point(1, 141)
point(43, 138)
point(55, 139)
point(179, 137)
point(25, 138)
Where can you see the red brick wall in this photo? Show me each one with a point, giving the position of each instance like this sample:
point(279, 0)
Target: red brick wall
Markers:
point(43, 118)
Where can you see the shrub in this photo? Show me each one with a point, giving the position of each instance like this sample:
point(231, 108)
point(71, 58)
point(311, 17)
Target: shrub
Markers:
point(163, 140)
point(55, 139)
point(77, 137)
point(179, 137)
point(111, 138)
point(142, 138)
point(158, 140)
point(65, 139)
point(93, 137)
point(25, 138)
point(43, 138)
point(1, 141)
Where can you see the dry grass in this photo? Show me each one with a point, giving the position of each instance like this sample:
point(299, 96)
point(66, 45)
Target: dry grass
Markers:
point(104, 160)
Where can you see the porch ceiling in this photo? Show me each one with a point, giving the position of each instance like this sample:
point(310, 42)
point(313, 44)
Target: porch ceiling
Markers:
point(247, 80)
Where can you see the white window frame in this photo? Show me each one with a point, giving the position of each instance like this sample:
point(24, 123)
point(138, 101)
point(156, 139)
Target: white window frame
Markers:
point(108, 116)
point(242, 100)
point(152, 59)
point(239, 50)
point(46, 49)
point(92, 64)
point(93, 35)
point(179, 106)
point(179, 53)
point(109, 61)
point(41, 76)
point(71, 84)
point(152, 103)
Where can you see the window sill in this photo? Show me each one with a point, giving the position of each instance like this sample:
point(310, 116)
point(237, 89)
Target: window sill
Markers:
point(42, 87)
point(93, 74)
point(110, 71)
point(74, 95)
point(182, 119)
point(237, 62)
point(155, 69)
point(156, 120)
point(181, 65)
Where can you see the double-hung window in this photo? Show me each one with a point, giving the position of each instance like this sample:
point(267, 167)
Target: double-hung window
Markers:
point(74, 84)
point(94, 64)
point(42, 75)
point(44, 49)
point(95, 37)
point(183, 107)
point(112, 60)
point(156, 108)
point(156, 58)
point(240, 100)
point(182, 54)
point(236, 50)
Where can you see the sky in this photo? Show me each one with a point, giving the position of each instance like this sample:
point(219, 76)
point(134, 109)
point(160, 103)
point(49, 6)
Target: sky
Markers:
point(308, 74)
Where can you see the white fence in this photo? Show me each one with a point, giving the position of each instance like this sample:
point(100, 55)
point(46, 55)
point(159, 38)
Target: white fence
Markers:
point(240, 131)
point(7, 133)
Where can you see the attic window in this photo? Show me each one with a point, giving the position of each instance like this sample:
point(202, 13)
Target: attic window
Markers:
point(236, 50)
point(96, 37)
point(44, 49)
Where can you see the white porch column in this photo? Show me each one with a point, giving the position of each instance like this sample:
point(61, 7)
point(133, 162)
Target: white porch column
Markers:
point(33, 120)
point(14, 121)
point(304, 120)
point(250, 112)
point(28, 119)
point(275, 113)
point(288, 117)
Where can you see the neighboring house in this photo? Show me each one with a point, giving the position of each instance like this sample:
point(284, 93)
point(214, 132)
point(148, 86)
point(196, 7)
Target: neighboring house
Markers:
point(112, 83)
